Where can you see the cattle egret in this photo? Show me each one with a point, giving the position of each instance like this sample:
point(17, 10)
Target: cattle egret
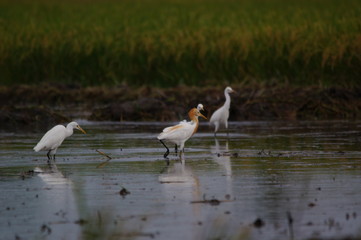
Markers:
point(199, 108)
point(181, 132)
point(220, 116)
point(54, 137)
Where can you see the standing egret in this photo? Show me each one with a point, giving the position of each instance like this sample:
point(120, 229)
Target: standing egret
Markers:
point(181, 132)
point(54, 137)
point(199, 108)
point(220, 116)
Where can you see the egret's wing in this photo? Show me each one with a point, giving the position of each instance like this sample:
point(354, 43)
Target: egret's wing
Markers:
point(181, 131)
point(171, 128)
point(52, 139)
point(216, 115)
point(166, 130)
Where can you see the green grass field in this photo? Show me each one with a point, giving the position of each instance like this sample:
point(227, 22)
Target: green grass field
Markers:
point(168, 43)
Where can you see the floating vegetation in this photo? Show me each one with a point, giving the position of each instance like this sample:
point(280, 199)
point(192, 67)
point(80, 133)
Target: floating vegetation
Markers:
point(105, 162)
point(124, 192)
point(213, 201)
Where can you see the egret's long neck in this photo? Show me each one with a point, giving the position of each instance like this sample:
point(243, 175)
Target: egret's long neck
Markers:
point(194, 119)
point(196, 123)
point(69, 131)
point(227, 104)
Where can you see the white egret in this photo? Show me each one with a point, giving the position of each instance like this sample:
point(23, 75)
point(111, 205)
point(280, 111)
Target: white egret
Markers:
point(220, 116)
point(181, 132)
point(54, 138)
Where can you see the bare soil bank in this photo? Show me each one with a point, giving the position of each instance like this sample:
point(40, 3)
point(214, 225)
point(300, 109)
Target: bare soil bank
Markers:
point(38, 107)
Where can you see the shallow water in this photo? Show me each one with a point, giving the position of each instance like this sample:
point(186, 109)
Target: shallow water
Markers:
point(266, 180)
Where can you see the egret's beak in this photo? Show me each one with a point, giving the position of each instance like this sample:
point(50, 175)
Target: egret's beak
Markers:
point(201, 115)
point(82, 130)
point(234, 92)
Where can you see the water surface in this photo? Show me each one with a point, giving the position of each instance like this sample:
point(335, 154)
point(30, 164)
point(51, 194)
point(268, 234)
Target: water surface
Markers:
point(265, 180)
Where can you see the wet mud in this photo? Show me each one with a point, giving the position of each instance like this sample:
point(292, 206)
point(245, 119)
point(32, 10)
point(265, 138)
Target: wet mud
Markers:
point(26, 105)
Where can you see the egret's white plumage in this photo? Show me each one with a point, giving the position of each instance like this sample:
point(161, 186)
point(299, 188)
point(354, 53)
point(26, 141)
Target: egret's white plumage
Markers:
point(220, 116)
point(54, 138)
point(181, 132)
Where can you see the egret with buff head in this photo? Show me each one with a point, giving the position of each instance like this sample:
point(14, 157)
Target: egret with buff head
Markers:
point(181, 132)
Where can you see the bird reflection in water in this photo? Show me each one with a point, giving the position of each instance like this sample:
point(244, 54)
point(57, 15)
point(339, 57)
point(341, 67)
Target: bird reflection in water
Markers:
point(177, 173)
point(58, 203)
point(181, 186)
point(51, 175)
point(222, 156)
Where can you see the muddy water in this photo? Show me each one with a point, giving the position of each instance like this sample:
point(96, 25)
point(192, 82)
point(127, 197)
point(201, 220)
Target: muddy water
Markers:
point(266, 180)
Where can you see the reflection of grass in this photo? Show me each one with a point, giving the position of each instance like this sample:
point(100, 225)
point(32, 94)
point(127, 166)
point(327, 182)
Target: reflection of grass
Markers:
point(166, 43)
point(218, 228)
point(103, 225)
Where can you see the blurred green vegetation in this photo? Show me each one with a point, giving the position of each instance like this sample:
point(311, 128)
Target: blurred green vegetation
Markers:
point(167, 43)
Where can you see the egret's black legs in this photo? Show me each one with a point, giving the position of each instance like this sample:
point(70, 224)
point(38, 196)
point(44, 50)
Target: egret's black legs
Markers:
point(181, 156)
point(167, 152)
point(49, 156)
point(176, 149)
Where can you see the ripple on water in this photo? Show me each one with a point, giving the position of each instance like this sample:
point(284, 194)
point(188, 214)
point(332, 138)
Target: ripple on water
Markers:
point(261, 171)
